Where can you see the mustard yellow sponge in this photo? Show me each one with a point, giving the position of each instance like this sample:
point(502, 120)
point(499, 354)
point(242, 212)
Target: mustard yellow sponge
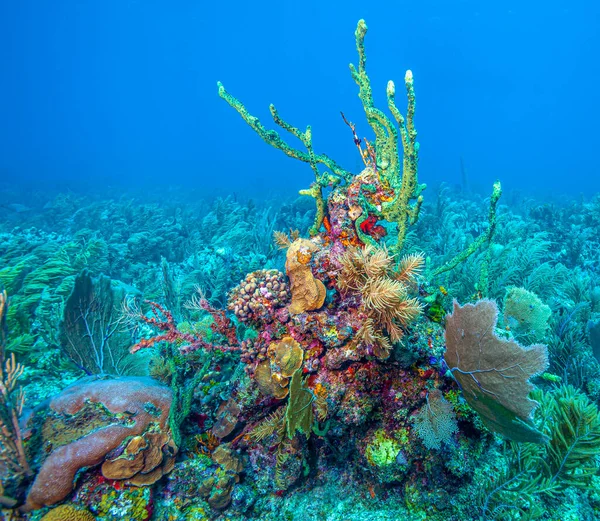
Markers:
point(68, 513)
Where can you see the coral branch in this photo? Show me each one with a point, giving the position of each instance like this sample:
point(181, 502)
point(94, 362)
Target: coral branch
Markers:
point(163, 321)
point(274, 139)
point(485, 237)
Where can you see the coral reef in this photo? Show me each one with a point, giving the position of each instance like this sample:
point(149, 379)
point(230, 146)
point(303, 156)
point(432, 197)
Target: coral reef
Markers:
point(120, 423)
point(325, 373)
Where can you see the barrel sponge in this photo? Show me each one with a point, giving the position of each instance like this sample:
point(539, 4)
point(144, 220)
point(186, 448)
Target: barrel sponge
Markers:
point(68, 513)
point(98, 421)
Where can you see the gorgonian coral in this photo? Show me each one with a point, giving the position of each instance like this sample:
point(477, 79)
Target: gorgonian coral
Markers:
point(384, 291)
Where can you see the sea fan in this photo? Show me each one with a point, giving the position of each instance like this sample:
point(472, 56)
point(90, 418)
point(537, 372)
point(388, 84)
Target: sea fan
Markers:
point(435, 423)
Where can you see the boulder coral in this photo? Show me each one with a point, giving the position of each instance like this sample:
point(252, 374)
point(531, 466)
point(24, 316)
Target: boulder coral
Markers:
point(218, 487)
point(120, 423)
point(255, 297)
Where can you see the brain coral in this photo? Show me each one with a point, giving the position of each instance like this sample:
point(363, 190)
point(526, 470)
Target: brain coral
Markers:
point(122, 423)
point(67, 513)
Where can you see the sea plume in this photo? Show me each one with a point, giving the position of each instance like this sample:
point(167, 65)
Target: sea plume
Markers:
point(384, 291)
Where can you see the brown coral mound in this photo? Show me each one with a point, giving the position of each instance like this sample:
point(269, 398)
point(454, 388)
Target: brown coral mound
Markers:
point(287, 356)
point(384, 290)
point(270, 383)
point(145, 460)
point(226, 418)
point(308, 293)
point(217, 488)
point(125, 426)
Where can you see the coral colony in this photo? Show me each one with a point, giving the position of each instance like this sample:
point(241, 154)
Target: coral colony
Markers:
point(342, 371)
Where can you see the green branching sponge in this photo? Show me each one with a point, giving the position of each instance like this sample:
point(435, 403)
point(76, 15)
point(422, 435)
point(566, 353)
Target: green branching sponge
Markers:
point(396, 171)
point(273, 138)
point(492, 372)
point(485, 238)
point(401, 177)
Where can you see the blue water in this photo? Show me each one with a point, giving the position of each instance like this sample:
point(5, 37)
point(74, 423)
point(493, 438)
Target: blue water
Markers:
point(114, 91)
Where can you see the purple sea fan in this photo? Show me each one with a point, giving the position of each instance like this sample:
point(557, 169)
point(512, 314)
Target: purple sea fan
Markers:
point(435, 423)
